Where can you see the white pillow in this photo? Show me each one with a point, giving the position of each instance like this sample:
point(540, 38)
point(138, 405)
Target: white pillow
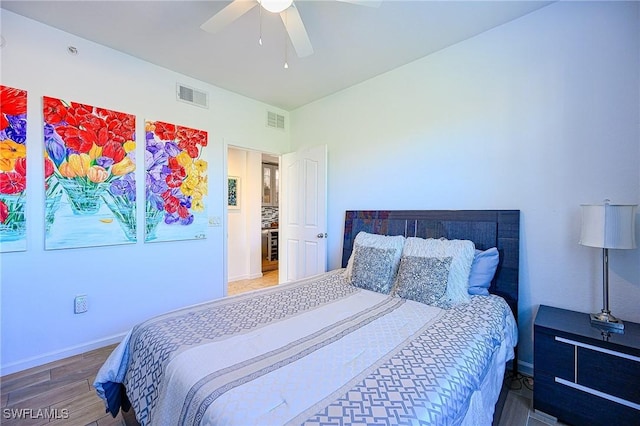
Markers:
point(461, 253)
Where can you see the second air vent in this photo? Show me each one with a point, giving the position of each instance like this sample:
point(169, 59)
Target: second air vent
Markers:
point(275, 121)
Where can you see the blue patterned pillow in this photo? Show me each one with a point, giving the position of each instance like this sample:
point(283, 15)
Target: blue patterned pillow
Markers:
point(424, 279)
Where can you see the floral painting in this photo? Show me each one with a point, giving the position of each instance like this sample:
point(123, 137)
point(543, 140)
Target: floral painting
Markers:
point(176, 182)
point(90, 188)
point(13, 169)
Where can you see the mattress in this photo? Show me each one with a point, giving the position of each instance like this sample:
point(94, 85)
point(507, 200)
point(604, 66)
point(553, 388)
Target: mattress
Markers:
point(315, 351)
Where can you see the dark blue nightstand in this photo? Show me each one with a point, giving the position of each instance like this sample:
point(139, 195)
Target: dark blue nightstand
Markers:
point(582, 375)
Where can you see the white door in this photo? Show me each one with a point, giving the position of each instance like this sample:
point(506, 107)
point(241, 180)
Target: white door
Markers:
point(302, 244)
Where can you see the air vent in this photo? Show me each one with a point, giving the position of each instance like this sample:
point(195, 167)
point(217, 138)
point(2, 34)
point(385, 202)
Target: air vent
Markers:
point(192, 96)
point(275, 121)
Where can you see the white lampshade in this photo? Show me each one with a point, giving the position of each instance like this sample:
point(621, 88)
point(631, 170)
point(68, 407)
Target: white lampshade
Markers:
point(610, 226)
point(275, 6)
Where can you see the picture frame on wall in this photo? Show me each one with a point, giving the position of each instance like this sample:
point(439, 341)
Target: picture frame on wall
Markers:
point(233, 193)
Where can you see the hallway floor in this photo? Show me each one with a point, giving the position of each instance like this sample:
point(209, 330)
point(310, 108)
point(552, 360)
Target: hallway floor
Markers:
point(268, 279)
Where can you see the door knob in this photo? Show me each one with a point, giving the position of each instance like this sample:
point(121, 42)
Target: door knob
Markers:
point(321, 235)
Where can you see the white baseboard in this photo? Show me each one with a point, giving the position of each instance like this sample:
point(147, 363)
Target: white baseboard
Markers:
point(39, 360)
point(237, 278)
point(244, 277)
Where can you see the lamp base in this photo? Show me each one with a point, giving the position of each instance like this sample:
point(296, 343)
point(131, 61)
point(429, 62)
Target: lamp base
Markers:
point(607, 321)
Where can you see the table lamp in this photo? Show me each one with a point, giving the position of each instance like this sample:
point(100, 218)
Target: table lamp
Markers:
point(608, 226)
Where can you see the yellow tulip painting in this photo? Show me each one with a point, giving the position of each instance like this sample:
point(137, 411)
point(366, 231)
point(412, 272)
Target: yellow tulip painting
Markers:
point(176, 182)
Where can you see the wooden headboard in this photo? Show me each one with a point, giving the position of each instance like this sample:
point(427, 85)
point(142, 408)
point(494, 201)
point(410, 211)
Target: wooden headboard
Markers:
point(486, 228)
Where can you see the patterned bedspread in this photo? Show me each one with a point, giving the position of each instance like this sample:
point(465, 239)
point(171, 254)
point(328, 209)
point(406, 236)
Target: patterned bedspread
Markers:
point(318, 351)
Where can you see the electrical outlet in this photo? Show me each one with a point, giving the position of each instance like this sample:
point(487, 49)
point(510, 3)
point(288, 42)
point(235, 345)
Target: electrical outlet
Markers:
point(80, 304)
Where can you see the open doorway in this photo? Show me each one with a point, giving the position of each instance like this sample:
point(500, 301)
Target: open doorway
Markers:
point(252, 220)
point(270, 212)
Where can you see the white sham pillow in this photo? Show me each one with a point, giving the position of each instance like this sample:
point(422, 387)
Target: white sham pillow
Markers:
point(461, 253)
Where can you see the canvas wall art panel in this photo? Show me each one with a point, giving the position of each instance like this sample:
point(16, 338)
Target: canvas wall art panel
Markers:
point(13, 169)
point(90, 187)
point(176, 182)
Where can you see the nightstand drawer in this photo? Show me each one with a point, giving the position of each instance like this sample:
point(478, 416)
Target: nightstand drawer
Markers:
point(573, 406)
point(553, 357)
point(613, 374)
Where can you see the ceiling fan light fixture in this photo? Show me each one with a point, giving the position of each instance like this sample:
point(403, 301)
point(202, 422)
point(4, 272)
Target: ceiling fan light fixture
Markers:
point(275, 6)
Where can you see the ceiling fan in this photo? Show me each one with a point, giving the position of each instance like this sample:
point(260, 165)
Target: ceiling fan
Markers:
point(288, 13)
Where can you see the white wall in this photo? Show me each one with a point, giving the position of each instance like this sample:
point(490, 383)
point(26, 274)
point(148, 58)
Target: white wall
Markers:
point(540, 115)
point(125, 284)
point(237, 245)
point(244, 255)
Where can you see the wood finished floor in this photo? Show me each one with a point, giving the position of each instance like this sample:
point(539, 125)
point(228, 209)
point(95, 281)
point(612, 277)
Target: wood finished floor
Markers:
point(269, 278)
point(61, 389)
point(64, 388)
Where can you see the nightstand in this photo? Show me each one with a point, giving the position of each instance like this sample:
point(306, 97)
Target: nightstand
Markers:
point(582, 375)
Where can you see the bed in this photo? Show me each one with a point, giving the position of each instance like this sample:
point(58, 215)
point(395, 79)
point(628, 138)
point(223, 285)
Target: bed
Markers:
point(331, 349)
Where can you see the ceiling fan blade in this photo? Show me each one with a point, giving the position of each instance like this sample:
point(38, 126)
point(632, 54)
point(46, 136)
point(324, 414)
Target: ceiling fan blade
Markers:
point(297, 33)
point(370, 3)
point(230, 13)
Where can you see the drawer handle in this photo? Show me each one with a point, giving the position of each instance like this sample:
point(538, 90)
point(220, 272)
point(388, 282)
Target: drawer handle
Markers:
point(597, 349)
point(598, 393)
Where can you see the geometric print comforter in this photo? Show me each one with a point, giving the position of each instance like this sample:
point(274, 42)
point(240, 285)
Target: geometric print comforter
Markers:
point(316, 352)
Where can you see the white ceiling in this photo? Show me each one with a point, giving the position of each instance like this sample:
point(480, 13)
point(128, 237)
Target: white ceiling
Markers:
point(352, 43)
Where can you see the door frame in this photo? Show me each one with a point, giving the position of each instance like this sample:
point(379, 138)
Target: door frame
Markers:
point(225, 221)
